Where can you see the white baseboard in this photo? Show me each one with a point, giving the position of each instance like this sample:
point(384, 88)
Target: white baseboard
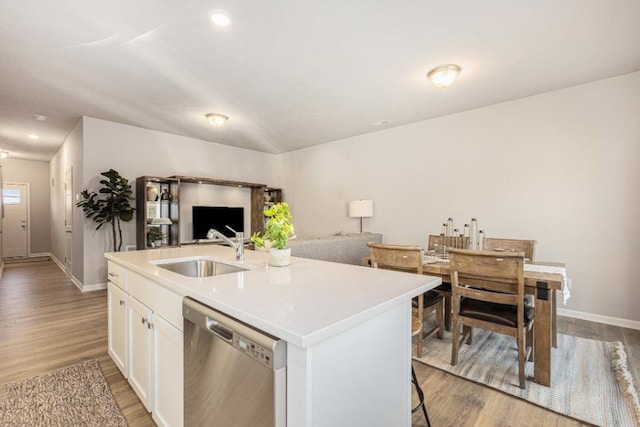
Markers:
point(36, 255)
point(57, 261)
point(615, 321)
point(94, 287)
point(73, 279)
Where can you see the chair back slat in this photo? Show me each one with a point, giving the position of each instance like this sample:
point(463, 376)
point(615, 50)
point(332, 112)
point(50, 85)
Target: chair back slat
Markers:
point(489, 273)
point(511, 245)
point(483, 295)
point(500, 266)
point(396, 257)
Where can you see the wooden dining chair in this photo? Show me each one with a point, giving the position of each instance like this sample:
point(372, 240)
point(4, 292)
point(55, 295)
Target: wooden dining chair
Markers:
point(488, 292)
point(409, 259)
point(529, 249)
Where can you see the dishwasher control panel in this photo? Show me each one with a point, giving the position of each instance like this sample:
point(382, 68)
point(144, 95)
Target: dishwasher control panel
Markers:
point(253, 350)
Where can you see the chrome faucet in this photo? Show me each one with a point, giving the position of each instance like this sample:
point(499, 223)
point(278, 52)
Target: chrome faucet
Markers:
point(238, 244)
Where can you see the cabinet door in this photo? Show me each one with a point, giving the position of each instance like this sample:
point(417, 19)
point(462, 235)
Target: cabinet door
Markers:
point(117, 312)
point(168, 367)
point(140, 351)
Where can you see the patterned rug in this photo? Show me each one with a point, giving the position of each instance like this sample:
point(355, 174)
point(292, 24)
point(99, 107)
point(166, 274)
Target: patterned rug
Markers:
point(77, 395)
point(590, 379)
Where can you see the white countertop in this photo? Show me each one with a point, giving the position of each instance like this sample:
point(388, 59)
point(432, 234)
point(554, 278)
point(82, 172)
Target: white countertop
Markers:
point(304, 303)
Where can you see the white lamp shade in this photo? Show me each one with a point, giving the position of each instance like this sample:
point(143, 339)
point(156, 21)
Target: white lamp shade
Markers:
point(361, 209)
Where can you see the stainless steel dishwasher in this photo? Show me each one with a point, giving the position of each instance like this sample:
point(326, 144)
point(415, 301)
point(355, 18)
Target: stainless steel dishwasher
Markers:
point(234, 375)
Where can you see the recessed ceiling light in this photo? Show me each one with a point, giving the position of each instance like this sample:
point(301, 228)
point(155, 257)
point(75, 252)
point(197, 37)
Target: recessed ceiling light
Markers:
point(32, 136)
point(381, 122)
point(217, 120)
point(40, 117)
point(221, 19)
point(4, 154)
point(444, 75)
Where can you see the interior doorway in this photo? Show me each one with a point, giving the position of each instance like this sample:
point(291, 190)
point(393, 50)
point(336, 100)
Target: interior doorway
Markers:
point(15, 225)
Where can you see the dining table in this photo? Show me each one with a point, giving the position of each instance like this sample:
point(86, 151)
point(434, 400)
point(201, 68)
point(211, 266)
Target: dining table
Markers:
point(542, 280)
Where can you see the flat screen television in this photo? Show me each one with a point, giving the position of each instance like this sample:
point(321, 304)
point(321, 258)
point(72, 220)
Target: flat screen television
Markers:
point(217, 217)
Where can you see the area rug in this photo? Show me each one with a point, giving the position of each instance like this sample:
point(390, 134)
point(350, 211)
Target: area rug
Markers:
point(590, 379)
point(77, 395)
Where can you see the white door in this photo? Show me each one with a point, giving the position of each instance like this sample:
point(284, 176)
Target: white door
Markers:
point(15, 225)
point(68, 218)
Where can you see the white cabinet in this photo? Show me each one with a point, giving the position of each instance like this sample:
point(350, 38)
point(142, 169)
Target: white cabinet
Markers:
point(118, 334)
point(168, 376)
point(145, 342)
point(140, 351)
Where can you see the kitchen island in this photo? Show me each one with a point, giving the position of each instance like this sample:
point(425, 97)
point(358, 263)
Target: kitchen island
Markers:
point(347, 330)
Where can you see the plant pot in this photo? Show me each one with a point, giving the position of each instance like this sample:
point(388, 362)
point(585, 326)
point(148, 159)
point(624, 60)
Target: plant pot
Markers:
point(279, 257)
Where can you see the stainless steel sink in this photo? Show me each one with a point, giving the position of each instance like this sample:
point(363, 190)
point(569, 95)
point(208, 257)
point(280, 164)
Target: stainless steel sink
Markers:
point(201, 268)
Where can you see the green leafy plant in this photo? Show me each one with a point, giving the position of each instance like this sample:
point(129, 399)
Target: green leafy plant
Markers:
point(154, 234)
point(110, 205)
point(278, 229)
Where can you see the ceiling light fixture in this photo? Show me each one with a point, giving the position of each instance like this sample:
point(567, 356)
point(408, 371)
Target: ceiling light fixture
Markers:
point(217, 120)
point(221, 19)
point(40, 117)
point(32, 136)
point(444, 75)
point(4, 154)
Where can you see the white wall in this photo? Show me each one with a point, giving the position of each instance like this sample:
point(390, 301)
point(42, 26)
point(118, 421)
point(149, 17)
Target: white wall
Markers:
point(69, 156)
point(136, 152)
point(562, 168)
point(36, 173)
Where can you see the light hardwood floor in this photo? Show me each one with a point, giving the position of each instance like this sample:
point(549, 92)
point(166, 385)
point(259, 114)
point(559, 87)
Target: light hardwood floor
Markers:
point(46, 323)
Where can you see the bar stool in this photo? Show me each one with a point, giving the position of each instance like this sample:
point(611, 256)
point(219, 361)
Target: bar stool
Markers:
point(416, 327)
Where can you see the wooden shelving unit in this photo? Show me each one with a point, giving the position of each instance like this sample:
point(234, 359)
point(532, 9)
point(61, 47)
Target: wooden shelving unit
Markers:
point(162, 213)
point(258, 193)
point(165, 214)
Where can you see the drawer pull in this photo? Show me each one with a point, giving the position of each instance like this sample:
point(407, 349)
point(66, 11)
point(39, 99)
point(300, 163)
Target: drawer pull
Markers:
point(113, 275)
point(121, 302)
point(144, 321)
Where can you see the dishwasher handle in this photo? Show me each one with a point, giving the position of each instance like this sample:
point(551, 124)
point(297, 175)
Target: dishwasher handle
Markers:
point(219, 329)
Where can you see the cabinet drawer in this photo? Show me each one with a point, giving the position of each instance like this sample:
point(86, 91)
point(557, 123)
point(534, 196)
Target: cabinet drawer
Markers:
point(161, 300)
point(117, 275)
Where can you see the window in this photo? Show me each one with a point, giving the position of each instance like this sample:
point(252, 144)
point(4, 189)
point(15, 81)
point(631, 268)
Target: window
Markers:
point(11, 197)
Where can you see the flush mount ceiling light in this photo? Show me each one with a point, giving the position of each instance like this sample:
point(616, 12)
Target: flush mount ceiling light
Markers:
point(217, 120)
point(220, 18)
point(4, 154)
point(444, 75)
point(40, 117)
point(32, 136)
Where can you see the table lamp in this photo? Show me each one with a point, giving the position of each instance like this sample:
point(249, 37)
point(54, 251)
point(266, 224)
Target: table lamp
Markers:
point(361, 209)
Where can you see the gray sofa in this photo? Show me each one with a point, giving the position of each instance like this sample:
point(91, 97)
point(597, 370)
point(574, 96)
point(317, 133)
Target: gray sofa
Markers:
point(343, 248)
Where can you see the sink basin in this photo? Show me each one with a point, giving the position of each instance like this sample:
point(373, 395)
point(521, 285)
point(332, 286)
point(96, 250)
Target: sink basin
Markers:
point(201, 268)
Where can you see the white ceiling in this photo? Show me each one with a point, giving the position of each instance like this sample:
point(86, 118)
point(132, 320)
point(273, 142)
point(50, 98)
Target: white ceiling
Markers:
point(290, 73)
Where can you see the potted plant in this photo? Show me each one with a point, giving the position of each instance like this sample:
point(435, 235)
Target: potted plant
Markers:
point(110, 205)
point(155, 237)
point(278, 230)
